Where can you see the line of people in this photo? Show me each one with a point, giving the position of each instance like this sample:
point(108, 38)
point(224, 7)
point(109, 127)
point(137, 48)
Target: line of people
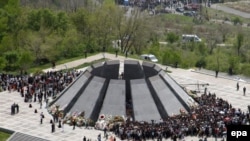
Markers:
point(209, 119)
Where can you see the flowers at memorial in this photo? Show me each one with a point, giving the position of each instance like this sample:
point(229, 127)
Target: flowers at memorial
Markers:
point(108, 121)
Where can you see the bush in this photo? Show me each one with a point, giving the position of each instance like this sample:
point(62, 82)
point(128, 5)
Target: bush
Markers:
point(201, 63)
point(236, 21)
point(245, 69)
point(172, 37)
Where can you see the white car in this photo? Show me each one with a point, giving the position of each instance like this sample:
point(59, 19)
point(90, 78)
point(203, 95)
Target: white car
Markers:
point(149, 57)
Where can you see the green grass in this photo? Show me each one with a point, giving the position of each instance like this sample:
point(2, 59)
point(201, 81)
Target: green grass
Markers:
point(62, 61)
point(4, 136)
point(89, 63)
point(180, 19)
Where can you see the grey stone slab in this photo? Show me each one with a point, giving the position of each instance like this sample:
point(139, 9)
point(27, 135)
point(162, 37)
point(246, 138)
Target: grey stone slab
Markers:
point(89, 68)
point(111, 70)
point(157, 68)
point(148, 64)
point(143, 104)
point(131, 62)
point(132, 70)
point(24, 137)
point(177, 88)
point(87, 101)
point(114, 102)
point(73, 90)
point(97, 65)
point(113, 62)
point(170, 102)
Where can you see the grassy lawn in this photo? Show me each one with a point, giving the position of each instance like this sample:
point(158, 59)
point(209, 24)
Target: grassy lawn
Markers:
point(63, 61)
point(4, 136)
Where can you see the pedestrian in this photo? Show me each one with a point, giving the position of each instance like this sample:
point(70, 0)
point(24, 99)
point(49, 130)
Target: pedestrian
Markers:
point(216, 73)
point(17, 108)
point(99, 137)
point(84, 138)
point(105, 131)
point(237, 86)
point(116, 53)
point(74, 124)
point(41, 104)
point(62, 127)
point(12, 109)
point(244, 90)
point(205, 90)
point(52, 127)
point(47, 101)
point(41, 118)
point(59, 123)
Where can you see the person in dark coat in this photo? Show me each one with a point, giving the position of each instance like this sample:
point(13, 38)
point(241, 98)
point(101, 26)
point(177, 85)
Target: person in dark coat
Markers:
point(84, 138)
point(17, 108)
point(41, 117)
point(12, 109)
point(244, 90)
point(237, 86)
point(74, 124)
point(52, 127)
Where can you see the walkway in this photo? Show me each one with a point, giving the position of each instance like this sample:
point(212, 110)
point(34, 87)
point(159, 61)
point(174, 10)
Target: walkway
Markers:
point(230, 10)
point(28, 122)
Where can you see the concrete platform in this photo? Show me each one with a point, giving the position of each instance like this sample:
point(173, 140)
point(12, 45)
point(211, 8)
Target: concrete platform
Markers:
point(27, 122)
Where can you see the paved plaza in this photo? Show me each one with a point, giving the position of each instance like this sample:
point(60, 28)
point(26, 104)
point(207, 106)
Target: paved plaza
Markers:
point(28, 122)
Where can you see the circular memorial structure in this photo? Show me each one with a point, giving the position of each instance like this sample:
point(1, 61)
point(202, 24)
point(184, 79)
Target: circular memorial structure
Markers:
point(143, 92)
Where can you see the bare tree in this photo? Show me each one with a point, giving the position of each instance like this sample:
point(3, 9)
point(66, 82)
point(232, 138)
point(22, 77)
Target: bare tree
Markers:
point(127, 26)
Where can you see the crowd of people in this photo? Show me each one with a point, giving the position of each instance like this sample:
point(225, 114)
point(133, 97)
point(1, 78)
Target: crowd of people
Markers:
point(38, 87)
point(209, 119)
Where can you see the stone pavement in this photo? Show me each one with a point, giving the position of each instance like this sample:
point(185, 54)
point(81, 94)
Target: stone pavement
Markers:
point(28, 122)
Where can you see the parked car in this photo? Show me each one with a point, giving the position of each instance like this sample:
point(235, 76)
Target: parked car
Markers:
point(188, 13)
point(149, 57)
point(180, 9)
point(192, 6)
point(190, 38)
point(162, 11)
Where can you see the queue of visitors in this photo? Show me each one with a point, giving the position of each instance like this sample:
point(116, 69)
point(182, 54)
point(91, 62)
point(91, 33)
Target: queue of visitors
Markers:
point(38, 87)
point(209, 119)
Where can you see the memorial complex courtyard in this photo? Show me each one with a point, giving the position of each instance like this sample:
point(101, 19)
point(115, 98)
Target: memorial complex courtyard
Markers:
point(26, 123)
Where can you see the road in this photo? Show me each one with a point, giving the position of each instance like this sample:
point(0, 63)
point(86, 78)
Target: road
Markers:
point(230, 10)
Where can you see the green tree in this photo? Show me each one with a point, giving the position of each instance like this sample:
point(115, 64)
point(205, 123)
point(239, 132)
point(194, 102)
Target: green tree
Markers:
point(127, 26)
point(25, 61)
point(172, 37)
point(233, 62)
point(2, 63)
point(171, 57)
point(104, 24)
point(84, 21)
point(70, 46)
point(239, 42)
point(3, 3)
point(236, 21)
point(3, 23)
point(11, 58)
